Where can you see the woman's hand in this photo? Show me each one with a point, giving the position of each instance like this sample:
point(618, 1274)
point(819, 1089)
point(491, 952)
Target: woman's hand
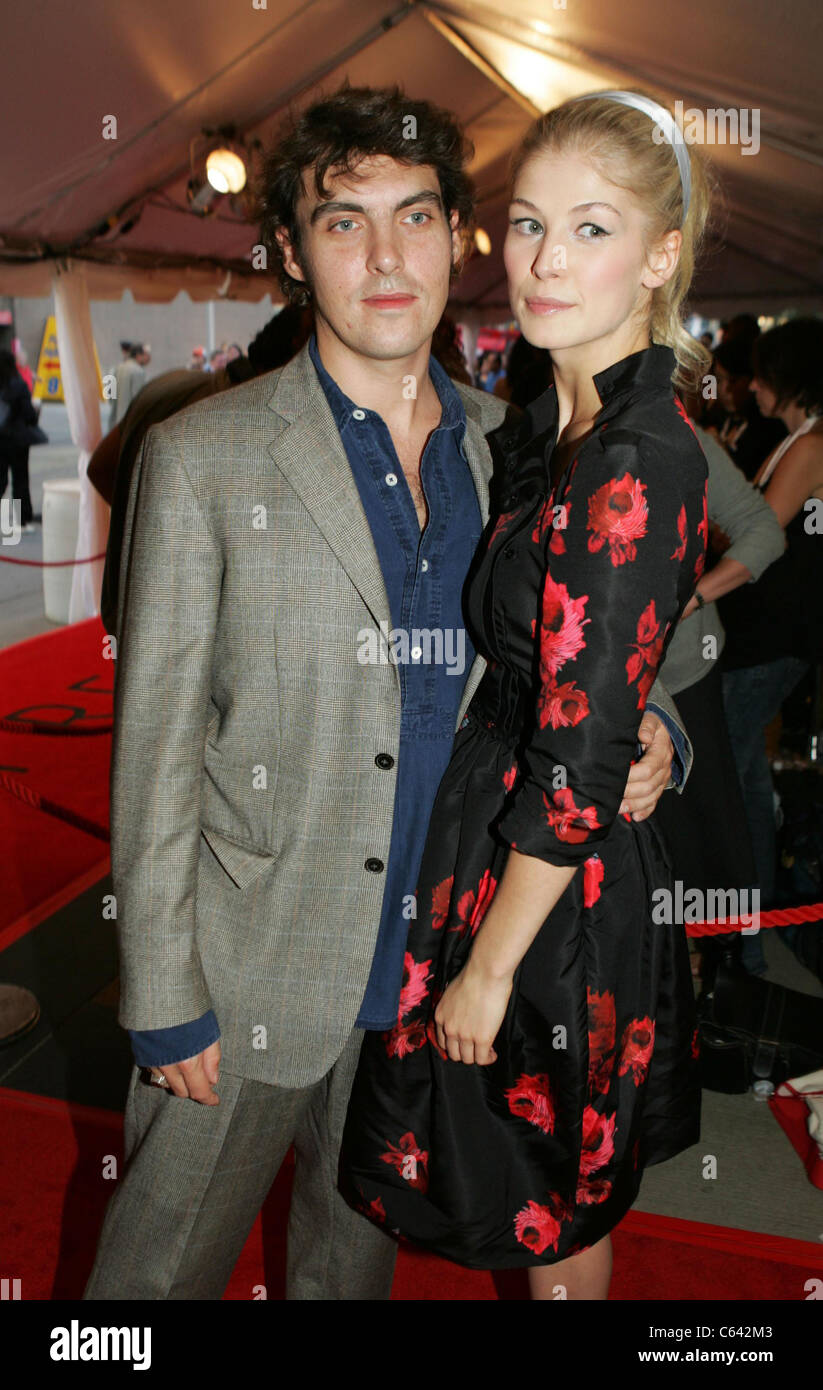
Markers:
point(469, 1015)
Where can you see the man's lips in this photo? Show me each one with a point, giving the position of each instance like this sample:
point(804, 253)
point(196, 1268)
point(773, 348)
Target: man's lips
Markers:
point(390, 301)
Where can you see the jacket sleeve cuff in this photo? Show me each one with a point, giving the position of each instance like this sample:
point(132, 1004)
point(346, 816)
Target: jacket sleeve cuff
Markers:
point(161, 1047)
point(675, 733)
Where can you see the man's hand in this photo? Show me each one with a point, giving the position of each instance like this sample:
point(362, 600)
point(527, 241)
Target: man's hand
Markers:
point(194, 1078)
point(649, 777)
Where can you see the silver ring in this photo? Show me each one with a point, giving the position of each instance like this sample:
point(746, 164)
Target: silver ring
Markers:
point(157, 1078)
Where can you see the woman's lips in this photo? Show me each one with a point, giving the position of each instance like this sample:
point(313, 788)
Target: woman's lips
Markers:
point(547, 306)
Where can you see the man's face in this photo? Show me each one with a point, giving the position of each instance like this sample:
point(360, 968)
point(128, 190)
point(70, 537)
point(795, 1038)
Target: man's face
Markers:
point(732, 390)
point(377, 252)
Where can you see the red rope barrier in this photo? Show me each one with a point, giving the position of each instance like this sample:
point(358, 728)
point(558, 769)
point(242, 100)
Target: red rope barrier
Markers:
point(50, 564)
point(774, 917)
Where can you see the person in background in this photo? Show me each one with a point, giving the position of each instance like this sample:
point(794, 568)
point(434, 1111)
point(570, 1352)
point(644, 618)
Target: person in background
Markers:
point(491, 372)
point(111, 464)
point(197, 362)
point(446, 348)
point(21, 358)
point(775, 627)
point(129, 378)
point(745, 433)
point(17, 418)
point(706, 826)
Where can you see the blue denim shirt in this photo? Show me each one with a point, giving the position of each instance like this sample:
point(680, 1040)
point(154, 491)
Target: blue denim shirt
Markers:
point(424, 573)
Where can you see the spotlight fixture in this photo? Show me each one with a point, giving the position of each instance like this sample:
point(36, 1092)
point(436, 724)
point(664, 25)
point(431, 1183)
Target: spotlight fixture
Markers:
point(218, 167)
point(482, 241)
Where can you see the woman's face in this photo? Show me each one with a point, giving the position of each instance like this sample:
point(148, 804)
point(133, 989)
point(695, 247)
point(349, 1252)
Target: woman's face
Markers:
point(575, 255)
point(764, 395)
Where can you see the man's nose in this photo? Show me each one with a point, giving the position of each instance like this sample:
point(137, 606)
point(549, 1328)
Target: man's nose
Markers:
point(385, 255)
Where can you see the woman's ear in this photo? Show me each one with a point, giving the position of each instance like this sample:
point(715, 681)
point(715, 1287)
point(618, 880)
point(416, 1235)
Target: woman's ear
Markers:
point(661, 261)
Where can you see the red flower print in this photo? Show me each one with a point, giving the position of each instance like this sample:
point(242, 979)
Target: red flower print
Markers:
point(544, 519)
point(592, 878)
point(568, 821)
point(472, 907)
point(648, 647)
point(411, 1162)
point(562, 705)
point(598, 1141)
point(538, 1227)
point(694, 1049)
point(703, 531)
point(377, 1211)
point(636, 1049)
point(531, 1099)
point(415, 975)
point(618, 514)
point(681, 410)
point(593, 1190)
point(405, 1038)
point(561, 628)
point(500, 525)
point(441, 898)
point(510, 777)
point(679, 552)
point(601, 1029)
point(431, 1034)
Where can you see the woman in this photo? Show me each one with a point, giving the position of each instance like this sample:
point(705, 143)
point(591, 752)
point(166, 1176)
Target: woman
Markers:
point(706, 826)
point(775, 627)
point(18, 418)
point(511, 1125)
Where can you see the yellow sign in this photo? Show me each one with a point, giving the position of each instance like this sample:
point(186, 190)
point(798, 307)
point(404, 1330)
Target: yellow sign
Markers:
point(48, 382)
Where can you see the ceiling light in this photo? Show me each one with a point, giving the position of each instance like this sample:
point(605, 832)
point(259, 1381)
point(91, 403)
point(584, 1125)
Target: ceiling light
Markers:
point(225, 170)
point(482, 241)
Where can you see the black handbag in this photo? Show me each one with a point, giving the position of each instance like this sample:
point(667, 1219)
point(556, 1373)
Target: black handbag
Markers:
point(751, 1030)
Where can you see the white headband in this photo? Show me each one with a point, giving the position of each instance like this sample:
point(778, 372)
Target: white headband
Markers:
point(666, 124)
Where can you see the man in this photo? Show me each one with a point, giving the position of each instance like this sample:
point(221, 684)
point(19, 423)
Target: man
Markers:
point(129, 377)
point(271, 782)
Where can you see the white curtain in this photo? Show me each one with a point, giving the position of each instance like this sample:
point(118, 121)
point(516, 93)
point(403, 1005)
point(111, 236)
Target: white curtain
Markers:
point(76, 346)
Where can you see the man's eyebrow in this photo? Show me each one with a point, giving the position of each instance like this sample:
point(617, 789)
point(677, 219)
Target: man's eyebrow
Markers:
point(579, 207)
point(427, 195)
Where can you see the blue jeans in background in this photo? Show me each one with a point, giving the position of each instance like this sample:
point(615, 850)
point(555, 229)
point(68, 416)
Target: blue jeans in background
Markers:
point(752, 696)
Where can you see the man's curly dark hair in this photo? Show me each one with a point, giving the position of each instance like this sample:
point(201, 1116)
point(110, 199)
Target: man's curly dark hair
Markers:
point(340, 130)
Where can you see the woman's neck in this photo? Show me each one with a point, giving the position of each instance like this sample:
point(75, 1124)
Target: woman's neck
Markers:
point(574, 370)
point(793, 416)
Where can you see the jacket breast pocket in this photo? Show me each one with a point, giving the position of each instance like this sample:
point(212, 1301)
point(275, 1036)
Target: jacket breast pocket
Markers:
point(242, 864)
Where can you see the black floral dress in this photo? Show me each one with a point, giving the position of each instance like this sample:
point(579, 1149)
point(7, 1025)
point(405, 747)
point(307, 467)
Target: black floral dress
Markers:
point(572, 600)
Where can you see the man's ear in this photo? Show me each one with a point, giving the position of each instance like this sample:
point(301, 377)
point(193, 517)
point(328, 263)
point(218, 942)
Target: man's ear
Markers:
point(290, 264)
point(459, 240)
point(661, 262)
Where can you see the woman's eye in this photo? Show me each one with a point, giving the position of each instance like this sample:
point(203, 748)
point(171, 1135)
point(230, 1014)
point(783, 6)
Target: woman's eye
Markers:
point(597, 232)
point(526, 226)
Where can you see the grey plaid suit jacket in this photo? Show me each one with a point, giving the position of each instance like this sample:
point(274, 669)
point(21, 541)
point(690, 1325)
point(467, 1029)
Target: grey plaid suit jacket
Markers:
point(245, 797)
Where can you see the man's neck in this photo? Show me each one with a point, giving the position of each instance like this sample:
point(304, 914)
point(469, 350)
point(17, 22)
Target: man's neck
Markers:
point(398, 389)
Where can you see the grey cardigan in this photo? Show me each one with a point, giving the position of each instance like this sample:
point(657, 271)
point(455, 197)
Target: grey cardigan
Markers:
point(757, 540)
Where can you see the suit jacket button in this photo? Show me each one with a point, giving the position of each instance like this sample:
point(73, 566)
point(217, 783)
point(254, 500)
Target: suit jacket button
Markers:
point(374, 866)
point(384, 760)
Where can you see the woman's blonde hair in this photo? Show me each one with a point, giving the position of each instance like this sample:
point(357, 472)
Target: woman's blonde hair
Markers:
point(618, 141)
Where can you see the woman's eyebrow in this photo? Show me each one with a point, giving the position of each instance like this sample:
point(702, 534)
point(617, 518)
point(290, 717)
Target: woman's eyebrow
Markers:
point(579, 207)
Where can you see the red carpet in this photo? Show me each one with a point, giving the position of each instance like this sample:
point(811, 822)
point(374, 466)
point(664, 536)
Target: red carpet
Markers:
point(52, 850)
point(52, 1197)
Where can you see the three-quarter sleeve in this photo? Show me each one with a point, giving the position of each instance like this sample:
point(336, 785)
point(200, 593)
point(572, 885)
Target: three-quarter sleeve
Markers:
point(627, 543)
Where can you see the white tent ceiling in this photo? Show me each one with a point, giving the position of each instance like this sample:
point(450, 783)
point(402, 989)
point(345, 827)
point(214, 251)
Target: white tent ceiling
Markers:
point(167, 70)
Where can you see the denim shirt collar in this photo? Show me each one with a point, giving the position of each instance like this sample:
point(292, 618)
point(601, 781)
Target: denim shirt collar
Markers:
point(342, 408)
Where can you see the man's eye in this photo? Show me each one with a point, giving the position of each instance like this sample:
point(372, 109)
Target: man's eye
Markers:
point(426, 216)
point(597, 231)
point(526, 226)
point(344, 222)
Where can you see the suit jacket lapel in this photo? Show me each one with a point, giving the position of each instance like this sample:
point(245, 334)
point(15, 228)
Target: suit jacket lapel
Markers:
point(479, 461)
point(310, 453)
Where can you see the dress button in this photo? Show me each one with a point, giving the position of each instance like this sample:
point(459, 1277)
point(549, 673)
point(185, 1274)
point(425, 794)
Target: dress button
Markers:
point(510, 552)
point(374, 866)
point(384, 760)
point(424, 565)
point(391, 479)
point(358, 414)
